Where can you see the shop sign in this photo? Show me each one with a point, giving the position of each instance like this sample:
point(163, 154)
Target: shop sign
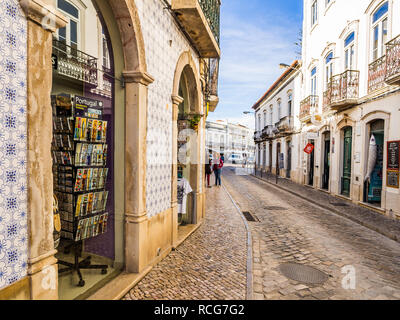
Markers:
point(312, 136)
point(309, 148)
point(393, 178)
point(85, 107)
point(393, 155)
point(393, 166)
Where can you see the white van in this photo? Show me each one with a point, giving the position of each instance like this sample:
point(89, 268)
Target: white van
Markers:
point(236, 159)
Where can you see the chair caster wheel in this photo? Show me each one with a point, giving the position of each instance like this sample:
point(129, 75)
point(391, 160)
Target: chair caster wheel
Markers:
point(81, 283)
point(104, 271)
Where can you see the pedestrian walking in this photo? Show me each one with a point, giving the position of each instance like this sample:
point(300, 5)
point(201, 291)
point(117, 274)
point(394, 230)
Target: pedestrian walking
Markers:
point(208, 171)
point(217, 171)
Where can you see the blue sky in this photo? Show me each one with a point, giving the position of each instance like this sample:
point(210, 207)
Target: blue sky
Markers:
point(256, 35)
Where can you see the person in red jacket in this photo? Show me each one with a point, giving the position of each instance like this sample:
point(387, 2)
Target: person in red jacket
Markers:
point(217, 170)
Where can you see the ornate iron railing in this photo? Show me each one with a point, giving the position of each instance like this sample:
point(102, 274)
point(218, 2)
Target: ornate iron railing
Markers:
point(285, 124)
point(376, 74)
point(326, 103)
point(344, 86)
point(75, 64)
point(211, 9)
point(393, 58)
point(308, 105)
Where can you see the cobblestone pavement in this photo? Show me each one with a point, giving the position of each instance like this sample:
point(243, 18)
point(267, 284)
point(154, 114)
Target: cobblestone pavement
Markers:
point(211, 264)
point(304, 233)
point(365, 216)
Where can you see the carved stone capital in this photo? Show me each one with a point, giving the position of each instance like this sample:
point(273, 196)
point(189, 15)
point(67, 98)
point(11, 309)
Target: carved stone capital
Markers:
point(138, 77)
point(43, 14)
point(176, 100)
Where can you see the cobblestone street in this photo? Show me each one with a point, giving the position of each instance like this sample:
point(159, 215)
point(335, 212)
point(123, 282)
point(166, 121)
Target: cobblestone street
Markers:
point(210, 264)
point(294, 230)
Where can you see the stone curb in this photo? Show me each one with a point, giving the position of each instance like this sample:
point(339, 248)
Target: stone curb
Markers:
point(249, 291)
point(365, 224)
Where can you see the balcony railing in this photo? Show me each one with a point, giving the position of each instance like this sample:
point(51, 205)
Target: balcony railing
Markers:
point(344, 88)
point(377, 74)
point(307, 106)
point(211, 9)
point(393, 61)
point(75, 64)
point(285, 126)
point(326, 103)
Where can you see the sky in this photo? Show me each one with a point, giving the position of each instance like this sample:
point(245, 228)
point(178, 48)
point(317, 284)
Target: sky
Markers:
point(256, 36)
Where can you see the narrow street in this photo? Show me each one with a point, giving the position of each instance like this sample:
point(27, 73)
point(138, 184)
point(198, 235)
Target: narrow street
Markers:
point(211, 263)
point(293, 230)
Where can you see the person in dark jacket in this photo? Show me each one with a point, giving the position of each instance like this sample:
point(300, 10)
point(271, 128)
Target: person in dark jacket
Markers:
point(208, 170)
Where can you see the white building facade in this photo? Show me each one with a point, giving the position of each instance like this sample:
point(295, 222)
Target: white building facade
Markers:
point(350, 101)
point(278, 125)
point(228, 138)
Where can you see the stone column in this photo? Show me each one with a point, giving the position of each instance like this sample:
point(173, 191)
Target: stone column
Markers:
point(135, 169)
point(176, 101)
point(43, 19)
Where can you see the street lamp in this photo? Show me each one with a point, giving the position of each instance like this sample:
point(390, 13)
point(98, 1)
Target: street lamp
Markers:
point(248, 112)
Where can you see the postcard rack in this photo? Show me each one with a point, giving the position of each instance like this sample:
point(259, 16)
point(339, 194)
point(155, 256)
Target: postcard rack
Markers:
point(79, 152)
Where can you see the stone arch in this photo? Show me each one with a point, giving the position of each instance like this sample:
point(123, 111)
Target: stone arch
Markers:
point(127, 18)
point(366, 121)
point(187, 66)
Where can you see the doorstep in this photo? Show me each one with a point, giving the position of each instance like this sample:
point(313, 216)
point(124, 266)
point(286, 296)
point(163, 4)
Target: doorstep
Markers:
point(120, 286)
point(370, 206)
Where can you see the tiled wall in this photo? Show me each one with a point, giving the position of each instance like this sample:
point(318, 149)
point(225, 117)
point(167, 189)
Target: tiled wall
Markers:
point(158, 29)
point(13, 143)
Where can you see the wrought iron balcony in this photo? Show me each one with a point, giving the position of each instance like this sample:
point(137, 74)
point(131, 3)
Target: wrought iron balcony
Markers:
point(257, 136)
point(326, 103)
point(201, 21)
point(344, 89)
point(74, 64)
point(307, 106)
point(210, 90)
point(393, 61)
point(377, 74)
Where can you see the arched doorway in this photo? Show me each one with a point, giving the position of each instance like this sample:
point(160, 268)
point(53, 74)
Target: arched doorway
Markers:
point(347, 142)
point(90, 56)
point(311, 165)
point(374, 165)
point(289, 159)
point(186, 182)
point(326, 147)
point(270, 156)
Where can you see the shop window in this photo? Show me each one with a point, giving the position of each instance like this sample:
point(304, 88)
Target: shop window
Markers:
point(380, 31)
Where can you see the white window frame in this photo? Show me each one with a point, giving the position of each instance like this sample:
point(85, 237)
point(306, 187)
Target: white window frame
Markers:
point(350, 53)
point(68, 26)
point(290, 103)
point(381, 48)
point(329, 69)
point(314, 81)
point(314, 13)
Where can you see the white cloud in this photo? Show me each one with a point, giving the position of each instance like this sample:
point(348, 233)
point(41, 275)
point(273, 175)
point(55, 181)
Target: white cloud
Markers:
point(251, 53)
